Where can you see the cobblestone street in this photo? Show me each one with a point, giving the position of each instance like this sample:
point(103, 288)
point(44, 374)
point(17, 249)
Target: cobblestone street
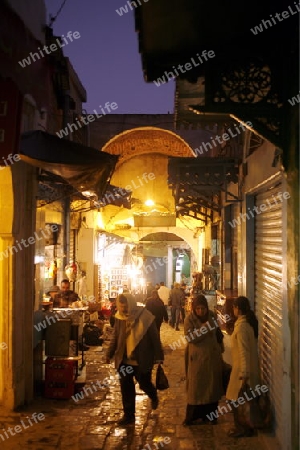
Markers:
point(90, 422)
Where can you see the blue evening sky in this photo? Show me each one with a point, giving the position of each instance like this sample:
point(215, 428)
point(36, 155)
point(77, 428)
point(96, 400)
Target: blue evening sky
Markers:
point(106, 57)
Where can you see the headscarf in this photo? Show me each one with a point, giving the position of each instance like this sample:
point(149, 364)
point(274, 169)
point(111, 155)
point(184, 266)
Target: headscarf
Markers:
point(243, 305)
point(200, 300)
point(138, 320)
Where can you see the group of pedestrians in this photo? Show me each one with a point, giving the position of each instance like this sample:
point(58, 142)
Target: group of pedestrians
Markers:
point(136, 347)
point(204, 363)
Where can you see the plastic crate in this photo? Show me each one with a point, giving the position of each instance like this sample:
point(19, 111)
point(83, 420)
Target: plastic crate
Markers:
point(60, 370)
point(59, 389)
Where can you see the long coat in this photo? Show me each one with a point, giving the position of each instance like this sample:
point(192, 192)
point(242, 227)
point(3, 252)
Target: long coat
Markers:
point(158, 309)
point(148, 350)
point(244, 358)
point(203, 361)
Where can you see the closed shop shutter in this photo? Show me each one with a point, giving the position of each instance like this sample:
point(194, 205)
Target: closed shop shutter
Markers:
point(269, 255)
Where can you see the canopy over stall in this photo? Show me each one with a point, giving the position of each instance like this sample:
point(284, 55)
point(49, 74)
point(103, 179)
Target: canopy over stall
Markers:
point(86, 169)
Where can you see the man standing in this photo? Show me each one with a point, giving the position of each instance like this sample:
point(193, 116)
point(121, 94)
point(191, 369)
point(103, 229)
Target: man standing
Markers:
point(136, 347)
point(164, 294)
point(176, 301)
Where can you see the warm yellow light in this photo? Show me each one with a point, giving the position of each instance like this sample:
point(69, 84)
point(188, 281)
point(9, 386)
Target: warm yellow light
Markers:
point(99, 221)
point(149, 202)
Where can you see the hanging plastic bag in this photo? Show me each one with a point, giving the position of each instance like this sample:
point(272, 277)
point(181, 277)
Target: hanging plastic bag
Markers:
point(162, 382)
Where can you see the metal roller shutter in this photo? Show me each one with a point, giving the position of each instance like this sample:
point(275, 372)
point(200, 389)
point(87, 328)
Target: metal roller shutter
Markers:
point(269, 298)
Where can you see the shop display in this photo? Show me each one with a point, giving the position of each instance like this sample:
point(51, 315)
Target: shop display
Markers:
point(115, 281)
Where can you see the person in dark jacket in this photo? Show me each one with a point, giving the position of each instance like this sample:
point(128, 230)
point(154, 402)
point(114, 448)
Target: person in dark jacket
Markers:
point(156, 306)
point(136, 347)
point(176, 302)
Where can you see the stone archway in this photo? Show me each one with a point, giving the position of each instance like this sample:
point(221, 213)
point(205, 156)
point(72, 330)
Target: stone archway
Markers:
point(146, 140)
point(142, 151)
point(160, 250)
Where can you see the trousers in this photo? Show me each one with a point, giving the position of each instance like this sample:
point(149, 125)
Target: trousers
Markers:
point(128, 386)
point(175, 316)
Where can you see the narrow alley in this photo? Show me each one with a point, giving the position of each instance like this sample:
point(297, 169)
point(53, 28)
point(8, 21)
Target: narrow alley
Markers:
point(89, 421)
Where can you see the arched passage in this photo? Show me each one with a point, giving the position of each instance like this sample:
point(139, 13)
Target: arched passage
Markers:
point(167, 257)
point(146, 140)
point(143, 151)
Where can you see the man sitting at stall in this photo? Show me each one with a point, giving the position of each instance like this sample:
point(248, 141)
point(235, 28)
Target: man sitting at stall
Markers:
point(66, 296)
point(64, 299)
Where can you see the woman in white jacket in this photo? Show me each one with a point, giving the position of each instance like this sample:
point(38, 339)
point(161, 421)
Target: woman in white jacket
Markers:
point(245, 366)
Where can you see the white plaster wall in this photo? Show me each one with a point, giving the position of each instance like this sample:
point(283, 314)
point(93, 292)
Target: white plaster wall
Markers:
point(259, 166)
point(85, 255)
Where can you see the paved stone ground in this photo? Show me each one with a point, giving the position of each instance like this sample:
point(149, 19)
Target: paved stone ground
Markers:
point(90, 423)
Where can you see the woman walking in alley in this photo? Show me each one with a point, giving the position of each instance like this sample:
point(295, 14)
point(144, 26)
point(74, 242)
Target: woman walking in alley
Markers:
point(203, 362)
point(136, 347)
point(245, 367)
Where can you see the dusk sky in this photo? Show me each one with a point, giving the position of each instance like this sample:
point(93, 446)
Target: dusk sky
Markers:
point(106, 56)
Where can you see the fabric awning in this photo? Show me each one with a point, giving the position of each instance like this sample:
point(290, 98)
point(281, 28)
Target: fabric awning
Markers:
point(86, 169)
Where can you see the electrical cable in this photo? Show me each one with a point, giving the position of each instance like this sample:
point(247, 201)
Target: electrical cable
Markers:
point(52, 20)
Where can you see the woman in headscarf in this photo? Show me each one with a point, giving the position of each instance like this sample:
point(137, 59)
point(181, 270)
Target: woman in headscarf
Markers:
point(245, 366)
point(136, 347)
point(203, 362)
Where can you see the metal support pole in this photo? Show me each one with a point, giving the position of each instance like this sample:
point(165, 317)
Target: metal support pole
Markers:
point(66, 203)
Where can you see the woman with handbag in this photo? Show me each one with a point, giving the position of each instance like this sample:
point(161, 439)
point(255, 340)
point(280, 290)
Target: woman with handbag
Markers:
point(203, 358)
point(245, 366)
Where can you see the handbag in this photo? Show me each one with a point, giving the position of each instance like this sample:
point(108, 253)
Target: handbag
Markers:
point(161, 382)
point(255, 412)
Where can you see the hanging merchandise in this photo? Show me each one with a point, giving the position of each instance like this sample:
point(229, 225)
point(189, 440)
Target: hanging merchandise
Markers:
point(53, 269)
point(71, 270)
point(82, 285)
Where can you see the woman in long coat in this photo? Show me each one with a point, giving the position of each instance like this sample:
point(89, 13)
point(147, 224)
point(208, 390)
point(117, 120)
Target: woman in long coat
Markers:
point(203, 362)
point(245, 367)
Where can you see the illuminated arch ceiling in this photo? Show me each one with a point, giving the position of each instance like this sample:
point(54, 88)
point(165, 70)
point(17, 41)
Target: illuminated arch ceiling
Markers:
point(145, 140)
point(156, 244)
point(139, 150)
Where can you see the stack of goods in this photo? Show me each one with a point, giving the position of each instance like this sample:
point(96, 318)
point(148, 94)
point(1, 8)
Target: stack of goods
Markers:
point(60, 377)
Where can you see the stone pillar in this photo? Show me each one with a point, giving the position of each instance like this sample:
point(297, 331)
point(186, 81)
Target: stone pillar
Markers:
point(17, 208)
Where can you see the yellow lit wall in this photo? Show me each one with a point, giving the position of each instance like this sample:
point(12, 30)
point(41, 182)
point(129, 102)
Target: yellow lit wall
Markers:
point(6, 288)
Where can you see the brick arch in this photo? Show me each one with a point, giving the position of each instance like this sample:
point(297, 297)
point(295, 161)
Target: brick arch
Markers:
point(145, 140)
